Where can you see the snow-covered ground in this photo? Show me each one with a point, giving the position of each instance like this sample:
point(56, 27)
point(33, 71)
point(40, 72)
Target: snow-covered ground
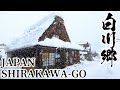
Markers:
point(96, 70)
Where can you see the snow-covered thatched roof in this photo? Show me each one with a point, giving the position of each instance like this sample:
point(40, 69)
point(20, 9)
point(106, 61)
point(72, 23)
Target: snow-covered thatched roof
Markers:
point(31, 36)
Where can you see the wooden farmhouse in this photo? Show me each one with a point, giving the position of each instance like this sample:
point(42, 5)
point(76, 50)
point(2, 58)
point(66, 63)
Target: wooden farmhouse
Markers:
point(49, 42)
point(86, 54)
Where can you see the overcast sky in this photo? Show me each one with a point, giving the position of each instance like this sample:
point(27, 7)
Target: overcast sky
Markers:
point(81, 25)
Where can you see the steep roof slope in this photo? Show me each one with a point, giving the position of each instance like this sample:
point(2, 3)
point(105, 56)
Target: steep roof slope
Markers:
point(32, 35)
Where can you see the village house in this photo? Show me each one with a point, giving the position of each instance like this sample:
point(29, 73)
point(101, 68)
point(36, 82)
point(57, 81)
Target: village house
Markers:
point(86, 53)
point(47, 41)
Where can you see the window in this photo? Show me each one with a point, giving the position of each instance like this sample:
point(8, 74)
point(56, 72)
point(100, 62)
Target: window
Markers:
point(71, 60)
point(45, 59)
point(51, 58)
point(57, 57)
point(72, 53)
point(66, 54)
point(48, 59)
point(56, 36)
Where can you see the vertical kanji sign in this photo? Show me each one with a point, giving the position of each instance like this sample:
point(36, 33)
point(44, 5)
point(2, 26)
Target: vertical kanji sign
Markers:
point(109, 54)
